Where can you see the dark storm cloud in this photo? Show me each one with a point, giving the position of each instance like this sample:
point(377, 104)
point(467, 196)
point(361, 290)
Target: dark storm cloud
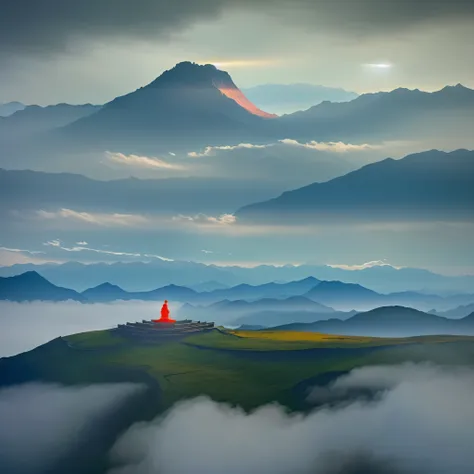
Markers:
point(29, 26)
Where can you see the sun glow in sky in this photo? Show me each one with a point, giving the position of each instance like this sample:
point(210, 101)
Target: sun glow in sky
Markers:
point(379, 65)
point(240, 63)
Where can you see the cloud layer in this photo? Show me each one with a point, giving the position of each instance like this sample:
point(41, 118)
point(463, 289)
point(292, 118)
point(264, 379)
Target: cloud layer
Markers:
point(52, 26)
point(42, 423)
point(24, 326)
point(424, 422)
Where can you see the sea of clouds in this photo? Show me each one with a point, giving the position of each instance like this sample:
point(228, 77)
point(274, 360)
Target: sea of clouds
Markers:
point(24, 326)
point(422, 421)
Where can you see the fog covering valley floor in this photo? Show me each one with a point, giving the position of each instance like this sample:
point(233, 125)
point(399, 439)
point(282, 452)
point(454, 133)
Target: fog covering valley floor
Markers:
point(244, 368)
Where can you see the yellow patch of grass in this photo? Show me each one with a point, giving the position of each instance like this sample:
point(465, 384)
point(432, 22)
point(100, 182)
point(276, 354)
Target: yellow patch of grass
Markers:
point(302, 336)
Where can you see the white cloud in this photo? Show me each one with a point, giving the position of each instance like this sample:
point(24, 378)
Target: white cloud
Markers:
point(80, 248)
point(81, 243)
point(363, 266)
point(203, 219)
point(53, 243)
point(12, 256)
point(101, 219)
point(42, 423)
point(159, 257)
point(422, 422)
point(207, 252)
point(211, 150)
point(143, 161)
point(335, 147)
point(31, 252)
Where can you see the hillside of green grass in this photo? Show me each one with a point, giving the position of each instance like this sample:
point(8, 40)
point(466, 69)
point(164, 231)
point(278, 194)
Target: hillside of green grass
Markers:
point(244, 368)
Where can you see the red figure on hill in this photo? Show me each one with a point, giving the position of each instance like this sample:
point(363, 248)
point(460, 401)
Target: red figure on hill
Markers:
point(165, 314)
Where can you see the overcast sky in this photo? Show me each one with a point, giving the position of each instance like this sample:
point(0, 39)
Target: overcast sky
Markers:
point(93, 50)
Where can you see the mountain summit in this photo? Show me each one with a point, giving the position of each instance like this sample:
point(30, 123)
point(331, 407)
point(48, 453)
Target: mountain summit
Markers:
point(187, 106)
point(194, 76)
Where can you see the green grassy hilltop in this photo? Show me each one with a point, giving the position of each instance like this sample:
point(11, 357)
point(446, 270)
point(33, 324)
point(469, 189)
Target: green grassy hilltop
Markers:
point(244, 368)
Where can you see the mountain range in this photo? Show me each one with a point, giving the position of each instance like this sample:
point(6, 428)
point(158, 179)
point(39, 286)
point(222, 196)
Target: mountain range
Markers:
point(399, 114)
point(389, 321)
point(31, 286)
point(193, 106)
point(264, 311)
point(289, 98)
point(455, 313)
point(34, 119)
point(190, 103)
point(423, 186)
point(10, 108)
point(140, 276)
point(25, 189)
point(318, 297)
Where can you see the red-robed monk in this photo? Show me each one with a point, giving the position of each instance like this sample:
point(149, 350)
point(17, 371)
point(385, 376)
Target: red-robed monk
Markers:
point(165, 314)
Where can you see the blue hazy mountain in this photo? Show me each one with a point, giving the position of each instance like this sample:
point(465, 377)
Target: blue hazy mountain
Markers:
point(456, 313)
point(422, 186)
point(34, 119)
point(346, 295)
point(10, 108)
point(389, 321)
point(31, 286)
point(267, 290)
point(139, 276)
point(242, 311)
point(326, 296)
point(288, 98)
point(107, 292)
point(270, 319)
point(25, 189)
point(208, 286)
point(399, 114)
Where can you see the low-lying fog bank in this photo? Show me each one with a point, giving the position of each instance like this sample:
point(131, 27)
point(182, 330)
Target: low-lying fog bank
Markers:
point(421, 421)
point(24, 326)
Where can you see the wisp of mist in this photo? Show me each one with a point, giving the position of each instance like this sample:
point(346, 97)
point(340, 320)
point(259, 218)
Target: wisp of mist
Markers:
point(24, 326)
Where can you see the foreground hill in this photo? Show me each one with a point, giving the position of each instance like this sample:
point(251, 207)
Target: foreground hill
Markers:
point(219, 364)
point(423, 186)
point(31, 286)
point(247, 369)
point(389, 321)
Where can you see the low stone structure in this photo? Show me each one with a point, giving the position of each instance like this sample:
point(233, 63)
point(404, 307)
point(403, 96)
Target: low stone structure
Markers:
point(151, 331)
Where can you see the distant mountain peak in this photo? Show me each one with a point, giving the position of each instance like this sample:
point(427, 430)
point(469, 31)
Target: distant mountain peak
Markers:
point(192, 75)
point(108, 286)
point(31, 275)
point(187, 73)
